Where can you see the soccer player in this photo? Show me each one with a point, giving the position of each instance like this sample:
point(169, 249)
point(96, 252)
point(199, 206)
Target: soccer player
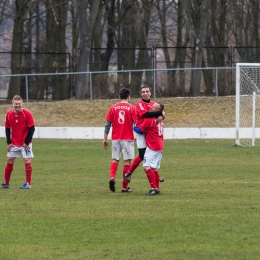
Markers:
point(143, 107)
point(155, 145)
point(19, 130)
point(121, 116)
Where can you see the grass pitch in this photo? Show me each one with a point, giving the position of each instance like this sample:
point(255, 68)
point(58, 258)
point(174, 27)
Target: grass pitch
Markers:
point(209, 205)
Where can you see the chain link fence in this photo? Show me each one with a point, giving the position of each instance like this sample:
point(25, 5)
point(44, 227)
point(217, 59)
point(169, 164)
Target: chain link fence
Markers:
point(106, 85)
point(52, 76)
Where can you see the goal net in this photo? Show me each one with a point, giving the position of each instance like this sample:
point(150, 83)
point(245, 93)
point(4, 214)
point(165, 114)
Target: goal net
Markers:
point(248, 104)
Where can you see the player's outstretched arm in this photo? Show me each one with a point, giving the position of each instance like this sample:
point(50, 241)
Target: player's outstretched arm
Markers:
point(151, 114)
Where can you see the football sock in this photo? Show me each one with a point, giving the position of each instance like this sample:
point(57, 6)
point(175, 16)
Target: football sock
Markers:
point(125, 182)
point(8, 171)
point(135, 164)
point(151, 178)
point(113, 169)
point(157, 179)
point(28, 172)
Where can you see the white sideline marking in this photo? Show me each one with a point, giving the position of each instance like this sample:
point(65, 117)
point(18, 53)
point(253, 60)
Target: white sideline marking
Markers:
point(169, 133)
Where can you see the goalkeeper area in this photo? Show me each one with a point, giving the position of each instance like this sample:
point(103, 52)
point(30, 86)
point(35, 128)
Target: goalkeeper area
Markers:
point(248, 104)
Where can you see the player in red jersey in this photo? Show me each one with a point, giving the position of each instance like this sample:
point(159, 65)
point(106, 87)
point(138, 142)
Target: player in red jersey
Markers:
point(153, 130)
point(19, 130)
point(143, 107)
point(122, 118)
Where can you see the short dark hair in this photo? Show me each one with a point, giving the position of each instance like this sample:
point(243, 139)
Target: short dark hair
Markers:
point(161, 106)
point(124, 93)
point(146, 86)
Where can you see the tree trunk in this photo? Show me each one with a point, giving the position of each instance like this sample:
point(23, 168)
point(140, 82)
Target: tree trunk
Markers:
point(196, 16)
point(96, 42)
point(256, 18)
point(142, 59)
point(128, 55)
point(87, 19)
point(169, 86)
point(55, 34)
point(17, 48)
point(75, 34)
point(218, 28)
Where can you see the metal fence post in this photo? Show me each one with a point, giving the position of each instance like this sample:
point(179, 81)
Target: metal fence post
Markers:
point(90, 85)
point(27, 91)
point(154, 85)
point(216, 82)
point(154, 73)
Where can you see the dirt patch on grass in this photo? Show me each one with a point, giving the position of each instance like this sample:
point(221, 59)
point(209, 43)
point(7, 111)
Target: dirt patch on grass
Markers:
point(180, 112)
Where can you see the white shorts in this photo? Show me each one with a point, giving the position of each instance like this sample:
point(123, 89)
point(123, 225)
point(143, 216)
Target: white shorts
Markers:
point(152, 158)
point(16, 151)
point(140, 140)
point(122, 147)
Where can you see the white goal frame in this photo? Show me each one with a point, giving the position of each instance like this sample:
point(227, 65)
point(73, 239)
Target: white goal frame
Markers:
point(246, 130)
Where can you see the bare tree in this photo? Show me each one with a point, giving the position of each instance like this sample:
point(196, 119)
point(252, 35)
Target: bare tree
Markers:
point(244, 25)
point(74, 30)
point(17, 47)
point(3, 6)
point(146, 8)
point(197, 18)
point(7, 11)
point(6, 18)
point(56, 22)
point(167, 9)
point(114, 20)
point(200, 30)
point(88, 11)
point(216, 41)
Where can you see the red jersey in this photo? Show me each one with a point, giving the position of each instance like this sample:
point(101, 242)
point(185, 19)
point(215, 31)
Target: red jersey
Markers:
point(153, 133)
point(141, 108)
point(19, 123)
point(122, 117)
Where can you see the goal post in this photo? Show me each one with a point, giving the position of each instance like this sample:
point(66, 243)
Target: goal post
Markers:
point(247, 104)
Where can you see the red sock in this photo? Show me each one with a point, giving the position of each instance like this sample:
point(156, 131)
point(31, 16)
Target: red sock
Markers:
point(8, 171)
point(28, 172)
point(113, 169)
point(125, 182)
point(157, 179)
point(135, 164)
point(151, 178)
